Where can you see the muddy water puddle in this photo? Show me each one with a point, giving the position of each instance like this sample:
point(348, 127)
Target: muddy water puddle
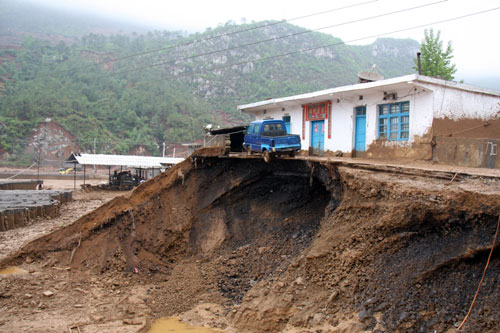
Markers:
point(12, 271)
point(173, 324)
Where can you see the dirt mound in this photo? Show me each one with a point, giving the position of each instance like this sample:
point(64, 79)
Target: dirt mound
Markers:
point(295, 244)
point(251, 218)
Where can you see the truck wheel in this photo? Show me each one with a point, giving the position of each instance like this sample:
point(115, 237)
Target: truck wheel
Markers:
point(267, 156)
point(291, 154)
point(249, 150)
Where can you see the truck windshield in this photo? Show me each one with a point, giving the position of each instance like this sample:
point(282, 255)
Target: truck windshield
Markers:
point(250, 129)
point(256, 129)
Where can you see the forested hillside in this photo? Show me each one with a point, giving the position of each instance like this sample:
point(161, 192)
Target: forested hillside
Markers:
point(169, 95)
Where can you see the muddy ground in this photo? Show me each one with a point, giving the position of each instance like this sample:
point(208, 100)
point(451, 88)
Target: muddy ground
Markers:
point(290, 246)
point(12, 240)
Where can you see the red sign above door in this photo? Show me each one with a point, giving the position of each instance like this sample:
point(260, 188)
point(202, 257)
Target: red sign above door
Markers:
point(317, 111)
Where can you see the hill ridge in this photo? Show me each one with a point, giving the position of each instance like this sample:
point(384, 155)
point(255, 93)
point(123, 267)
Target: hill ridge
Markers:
point(122, 107)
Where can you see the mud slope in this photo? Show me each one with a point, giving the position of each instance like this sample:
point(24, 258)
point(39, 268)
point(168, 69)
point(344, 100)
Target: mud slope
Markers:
point(396, 255)
point(220, 211)
point(296, 244)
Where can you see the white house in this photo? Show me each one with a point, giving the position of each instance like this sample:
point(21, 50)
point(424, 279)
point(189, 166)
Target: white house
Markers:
point(412, 116)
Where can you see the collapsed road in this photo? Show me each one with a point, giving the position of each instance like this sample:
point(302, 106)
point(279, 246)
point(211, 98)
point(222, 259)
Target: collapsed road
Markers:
point(289, 245)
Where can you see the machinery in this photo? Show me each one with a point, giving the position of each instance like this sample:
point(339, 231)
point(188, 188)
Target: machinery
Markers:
point(122, 181)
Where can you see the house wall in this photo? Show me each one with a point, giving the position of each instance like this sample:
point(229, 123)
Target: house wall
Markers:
point(465, 114)
point(418, 146)
point(468, 152)
point(449, 123)
point(343, 122)
point(466, 128)
point(456, 104)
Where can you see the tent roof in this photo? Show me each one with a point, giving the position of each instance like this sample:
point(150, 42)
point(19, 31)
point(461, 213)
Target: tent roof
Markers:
point(123, 160)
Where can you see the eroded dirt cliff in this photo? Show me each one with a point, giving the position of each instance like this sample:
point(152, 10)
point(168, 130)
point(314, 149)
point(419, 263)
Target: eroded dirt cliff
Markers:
point(294, 244)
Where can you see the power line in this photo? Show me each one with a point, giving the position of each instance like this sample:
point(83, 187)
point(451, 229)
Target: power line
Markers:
point(273, 39)
point(217, 36)
point(329, 45)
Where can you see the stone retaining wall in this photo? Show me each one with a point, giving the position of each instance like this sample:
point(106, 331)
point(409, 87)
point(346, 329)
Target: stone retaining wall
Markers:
point(17, 207)
point(12, 184)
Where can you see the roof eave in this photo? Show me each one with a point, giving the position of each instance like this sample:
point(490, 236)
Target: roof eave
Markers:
point(326, 92)
point(411, 78)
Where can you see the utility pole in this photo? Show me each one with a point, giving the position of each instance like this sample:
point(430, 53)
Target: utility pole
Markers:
point(163, 155)
point(95, 169)
point(38, 167)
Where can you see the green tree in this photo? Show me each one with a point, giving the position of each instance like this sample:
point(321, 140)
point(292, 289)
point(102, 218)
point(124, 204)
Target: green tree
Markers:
point(436, 61)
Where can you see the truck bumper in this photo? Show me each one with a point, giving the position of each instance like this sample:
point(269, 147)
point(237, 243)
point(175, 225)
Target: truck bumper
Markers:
point(285, 149)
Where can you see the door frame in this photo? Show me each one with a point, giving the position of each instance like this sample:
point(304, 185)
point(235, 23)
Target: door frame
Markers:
point(358, 153)
point(315, 150)
point(289, 128)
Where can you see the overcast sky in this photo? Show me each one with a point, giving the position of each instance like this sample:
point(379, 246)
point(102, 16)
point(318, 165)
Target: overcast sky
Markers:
point(475, 40)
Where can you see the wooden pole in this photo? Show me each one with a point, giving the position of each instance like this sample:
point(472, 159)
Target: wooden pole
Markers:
point(38, 167)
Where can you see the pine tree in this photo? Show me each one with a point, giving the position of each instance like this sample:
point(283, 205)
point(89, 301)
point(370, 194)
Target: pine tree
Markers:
point(436, 61)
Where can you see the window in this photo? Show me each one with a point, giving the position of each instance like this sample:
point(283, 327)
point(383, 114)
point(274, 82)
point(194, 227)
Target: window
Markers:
point(256, 129)
point(394, 121)
point(361, 111)
point(272, 127)
point(250, 129)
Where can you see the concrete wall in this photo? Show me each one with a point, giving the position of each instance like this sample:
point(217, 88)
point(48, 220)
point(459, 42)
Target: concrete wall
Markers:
point(466, 128)
point(455, 104)
point(468, 152)
point(18, 207)
point(20, 184)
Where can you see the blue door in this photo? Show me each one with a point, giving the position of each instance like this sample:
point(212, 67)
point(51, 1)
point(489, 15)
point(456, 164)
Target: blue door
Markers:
point(318, 135)
point(360, 134)
point(286, 119)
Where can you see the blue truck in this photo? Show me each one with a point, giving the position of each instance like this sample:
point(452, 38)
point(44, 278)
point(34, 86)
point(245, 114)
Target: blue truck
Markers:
point(269, 137)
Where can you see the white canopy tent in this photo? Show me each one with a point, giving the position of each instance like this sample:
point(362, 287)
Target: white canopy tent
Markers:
point(130, 161)
point(127, 161)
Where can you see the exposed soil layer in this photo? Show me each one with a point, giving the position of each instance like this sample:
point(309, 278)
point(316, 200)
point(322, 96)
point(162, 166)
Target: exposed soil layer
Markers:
point(467, 128)
point(292, 244)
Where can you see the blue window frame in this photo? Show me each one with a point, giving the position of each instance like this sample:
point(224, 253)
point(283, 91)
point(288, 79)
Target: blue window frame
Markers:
point(394, 121)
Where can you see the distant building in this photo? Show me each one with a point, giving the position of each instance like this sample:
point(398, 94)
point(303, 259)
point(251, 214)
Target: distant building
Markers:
point(413, 116)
